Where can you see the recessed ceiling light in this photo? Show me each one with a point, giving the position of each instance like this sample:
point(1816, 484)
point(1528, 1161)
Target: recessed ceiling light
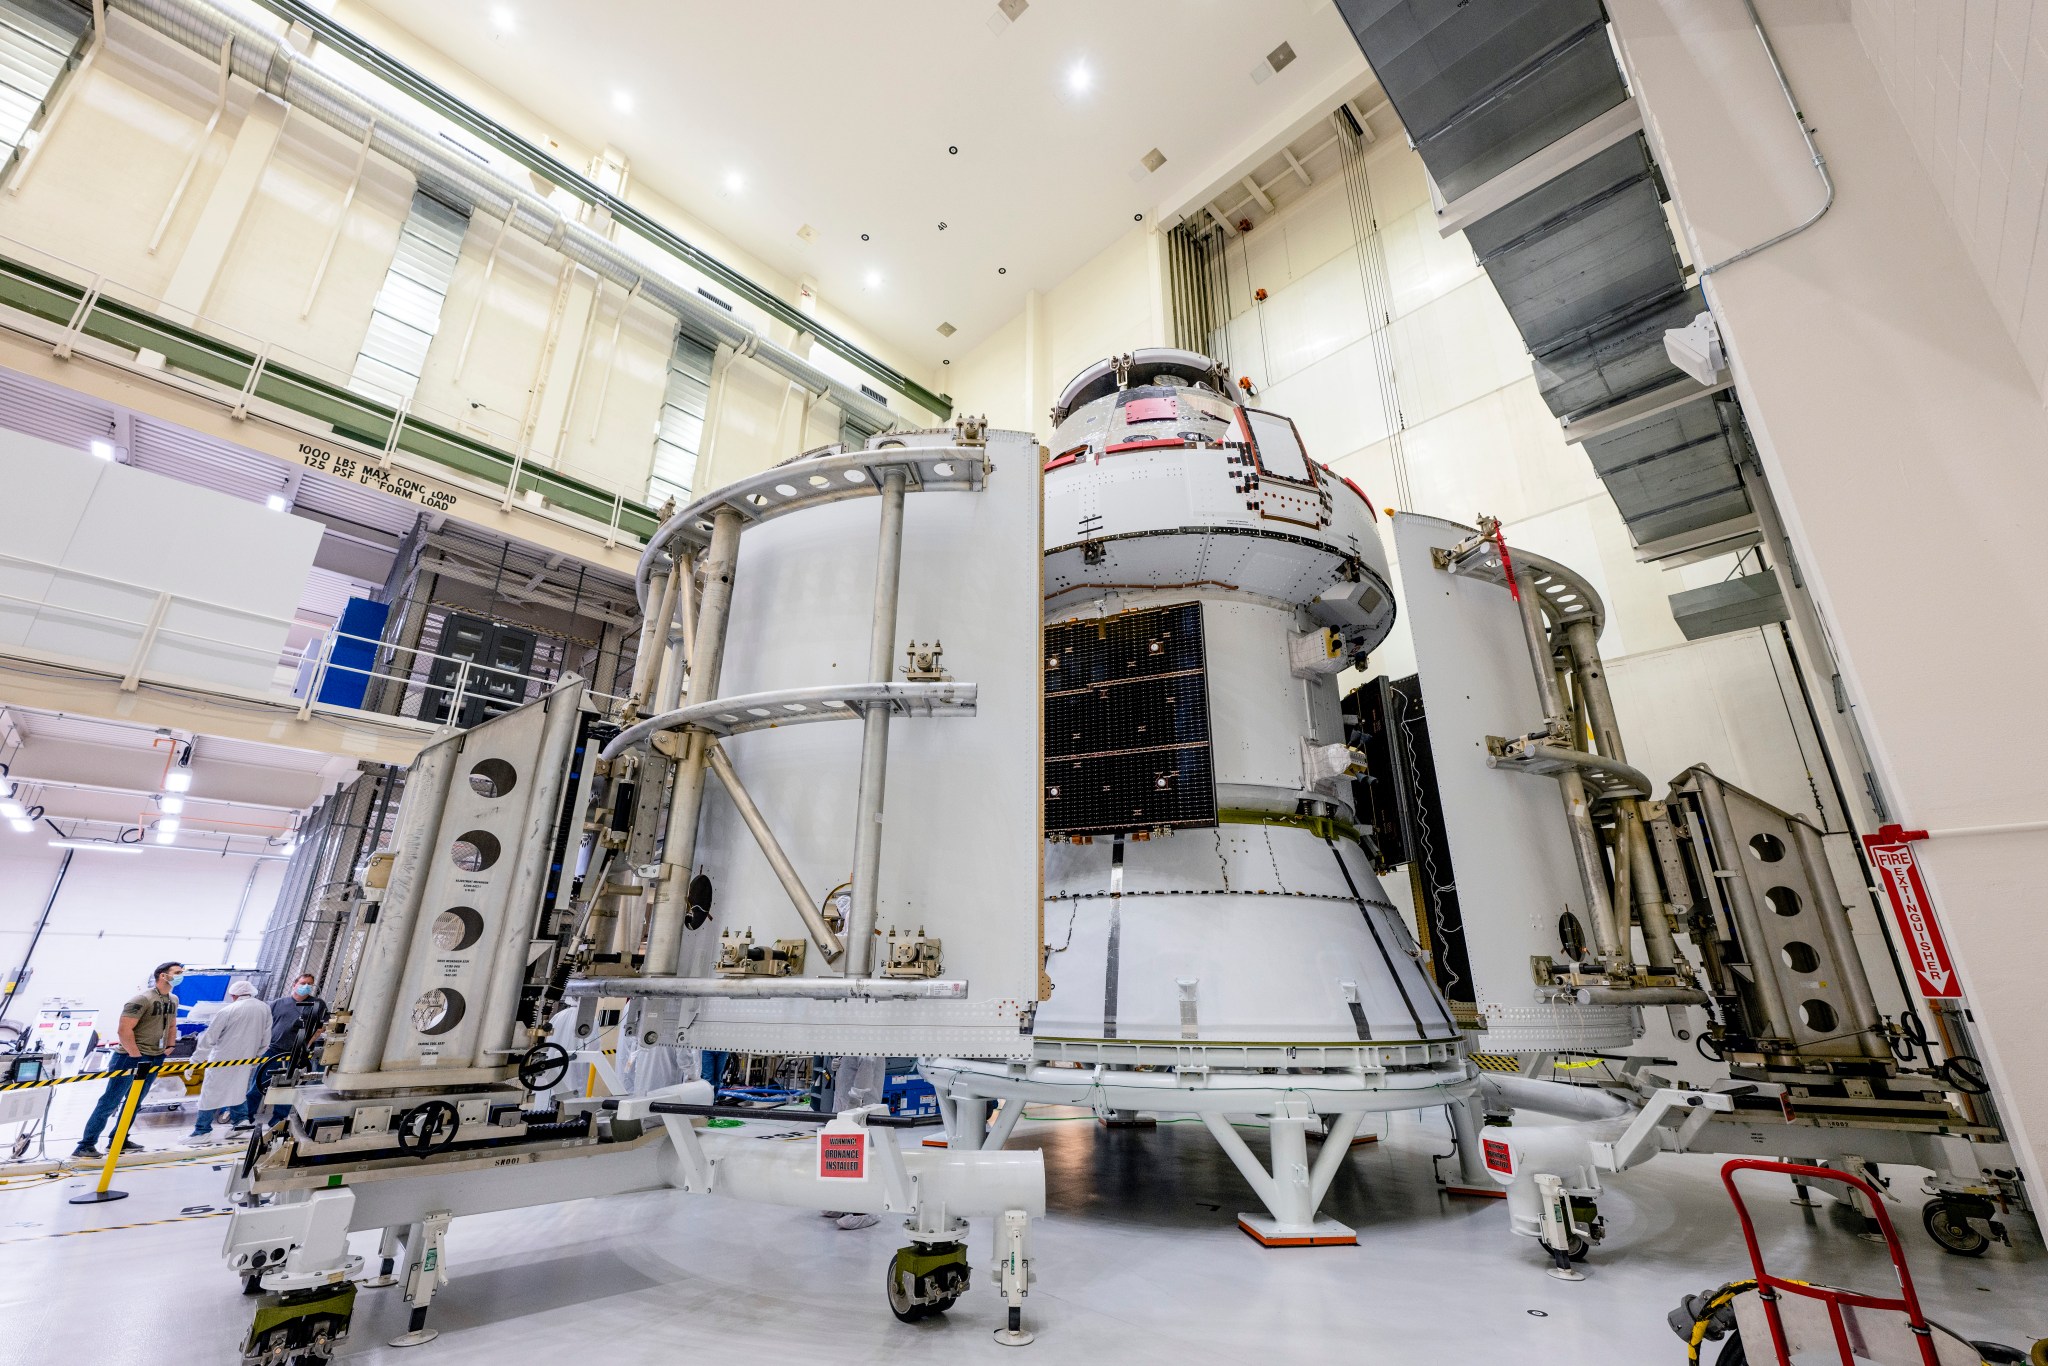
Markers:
point(503, 19)
point(945, 362)
point(103, 449)
point(277, 502)
point(873, 279)
point(1137, 218)
point(622, 100)
point(863, 237)
point(1002, 270)
point(734, 182)
point(1080, 78)
point(953, 151)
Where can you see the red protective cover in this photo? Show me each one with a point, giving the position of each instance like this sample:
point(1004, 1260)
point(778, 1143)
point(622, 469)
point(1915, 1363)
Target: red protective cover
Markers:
point(1151, 410)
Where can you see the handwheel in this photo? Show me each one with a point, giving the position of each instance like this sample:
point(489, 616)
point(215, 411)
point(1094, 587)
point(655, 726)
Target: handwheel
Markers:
point(427, 1128)
point(1948, 1223)
point(1964, 1073)
point(543, 1067)
point(900, 1303)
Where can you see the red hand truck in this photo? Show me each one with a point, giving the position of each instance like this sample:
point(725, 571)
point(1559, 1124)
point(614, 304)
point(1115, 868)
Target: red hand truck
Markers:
point(1769, 1287)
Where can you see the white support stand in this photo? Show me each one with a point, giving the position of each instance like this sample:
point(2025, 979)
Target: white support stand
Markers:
point(1014, 1274)
point(387, 1258)
point(1293, 1189)
point(1473, 1180)
point(426, 1272)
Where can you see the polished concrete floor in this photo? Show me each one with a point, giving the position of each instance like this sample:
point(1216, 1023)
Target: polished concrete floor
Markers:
point(1139, 1261)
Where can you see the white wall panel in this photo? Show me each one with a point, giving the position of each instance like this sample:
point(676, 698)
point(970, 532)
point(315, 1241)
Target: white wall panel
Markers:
point(1318, 227)
point(263, 283)
point(103, 179)
point(1421, 263)
point(1455, 348)
point(1335, 402)
point(1503, 449)
point(1320, 313)
point(119, 915)
point(139, 534)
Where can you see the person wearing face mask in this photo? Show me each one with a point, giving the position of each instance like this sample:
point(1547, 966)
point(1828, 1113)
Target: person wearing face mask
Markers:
point(149, 1026)
point(295, 1022)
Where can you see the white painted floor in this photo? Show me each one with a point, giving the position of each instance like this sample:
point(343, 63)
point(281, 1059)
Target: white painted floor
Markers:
point(1139, 1261)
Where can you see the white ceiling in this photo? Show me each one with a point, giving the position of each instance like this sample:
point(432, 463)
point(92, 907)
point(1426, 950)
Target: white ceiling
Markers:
point(840, 115)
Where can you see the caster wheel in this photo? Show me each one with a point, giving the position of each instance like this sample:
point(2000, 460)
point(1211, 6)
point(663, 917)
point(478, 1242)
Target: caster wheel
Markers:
point(898, 1283)
point(1576, 1249)
point(1948, 1223)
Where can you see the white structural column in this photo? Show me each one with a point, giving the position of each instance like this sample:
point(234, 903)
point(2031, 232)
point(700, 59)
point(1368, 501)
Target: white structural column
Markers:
point(213, 236)
point(1902, 435)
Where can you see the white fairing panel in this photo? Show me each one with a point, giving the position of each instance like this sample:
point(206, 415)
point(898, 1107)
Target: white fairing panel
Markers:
point(1243, 934)
point(1509, 839)
point(963, 830)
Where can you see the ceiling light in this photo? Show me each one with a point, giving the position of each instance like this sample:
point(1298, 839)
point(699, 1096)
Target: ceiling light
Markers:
point(167, 826)
point(734, 182)
point(1080, 78)
point(277, 502)
point(23, 827)
point(171, 806)
point(178, 780)
point(947, 329)
point(622, 100)
point(103, 449)
point(503, 19)
point(104, 846)
point(874, 279)
point(13, 810)
point(164, 836)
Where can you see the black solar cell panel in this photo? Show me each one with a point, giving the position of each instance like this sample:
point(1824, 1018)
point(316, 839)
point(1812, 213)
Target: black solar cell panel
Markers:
point(1127, 724)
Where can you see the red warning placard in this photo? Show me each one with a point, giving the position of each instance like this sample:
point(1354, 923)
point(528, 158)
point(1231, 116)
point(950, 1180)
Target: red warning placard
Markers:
point(1891, 858)
point(843, 1156)
point(1499, 1157)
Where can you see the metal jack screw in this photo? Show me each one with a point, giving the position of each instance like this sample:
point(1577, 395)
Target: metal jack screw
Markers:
point(1013, 1267)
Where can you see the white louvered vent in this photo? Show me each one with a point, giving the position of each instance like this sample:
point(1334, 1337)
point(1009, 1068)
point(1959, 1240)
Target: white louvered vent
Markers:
point(680, 435)
point(53, 414)
point(408, 310)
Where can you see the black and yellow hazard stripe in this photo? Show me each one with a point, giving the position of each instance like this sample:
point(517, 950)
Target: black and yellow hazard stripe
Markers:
point(117, 1228)
point(179, 1068)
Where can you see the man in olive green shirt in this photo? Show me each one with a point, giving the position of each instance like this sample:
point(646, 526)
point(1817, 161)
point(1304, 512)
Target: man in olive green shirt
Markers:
point(149, 1026)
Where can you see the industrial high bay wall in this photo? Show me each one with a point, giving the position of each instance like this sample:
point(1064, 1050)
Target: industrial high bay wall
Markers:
point(276, 67)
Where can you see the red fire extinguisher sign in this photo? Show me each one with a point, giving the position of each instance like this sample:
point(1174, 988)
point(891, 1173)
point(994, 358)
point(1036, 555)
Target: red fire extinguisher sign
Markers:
point(1891, 857)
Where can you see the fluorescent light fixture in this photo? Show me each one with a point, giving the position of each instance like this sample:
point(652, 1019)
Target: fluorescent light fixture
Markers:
point(503, 19)
point(103, 846)
point(170, 806)
point(734, 182)
point(167, 826)
point(622, 100)
point(12, 810)
point(164, 836)
point(277, 502)
point(1080, 79)
point(103, 448)
point(23, 827)
point(178, 780)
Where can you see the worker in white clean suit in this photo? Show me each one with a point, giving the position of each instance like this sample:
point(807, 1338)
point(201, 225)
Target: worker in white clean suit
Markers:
point(856, 1082)
point(239, 1029)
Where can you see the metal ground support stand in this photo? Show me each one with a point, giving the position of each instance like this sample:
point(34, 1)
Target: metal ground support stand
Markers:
point(1293, 1189)
point(387, 1259)
point(1474, 1181)
point(1014, 1274)
point(426, 1271)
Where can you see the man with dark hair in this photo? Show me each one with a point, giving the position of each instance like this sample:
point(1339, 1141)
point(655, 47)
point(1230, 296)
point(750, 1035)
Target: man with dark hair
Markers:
point(149, 1026)
point(295, 1022)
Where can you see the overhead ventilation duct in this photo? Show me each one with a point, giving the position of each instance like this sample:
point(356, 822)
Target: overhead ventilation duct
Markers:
point(1584, 260)
point(442, 171)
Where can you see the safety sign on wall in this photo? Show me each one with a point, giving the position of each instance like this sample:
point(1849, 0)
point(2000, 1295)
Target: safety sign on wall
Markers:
point(1891, 858)
point(843, 1156)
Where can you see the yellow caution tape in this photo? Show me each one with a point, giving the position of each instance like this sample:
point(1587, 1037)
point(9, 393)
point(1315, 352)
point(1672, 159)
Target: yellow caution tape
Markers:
point(116, 1228)
point(1496, 1062)
point(180, 1068)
